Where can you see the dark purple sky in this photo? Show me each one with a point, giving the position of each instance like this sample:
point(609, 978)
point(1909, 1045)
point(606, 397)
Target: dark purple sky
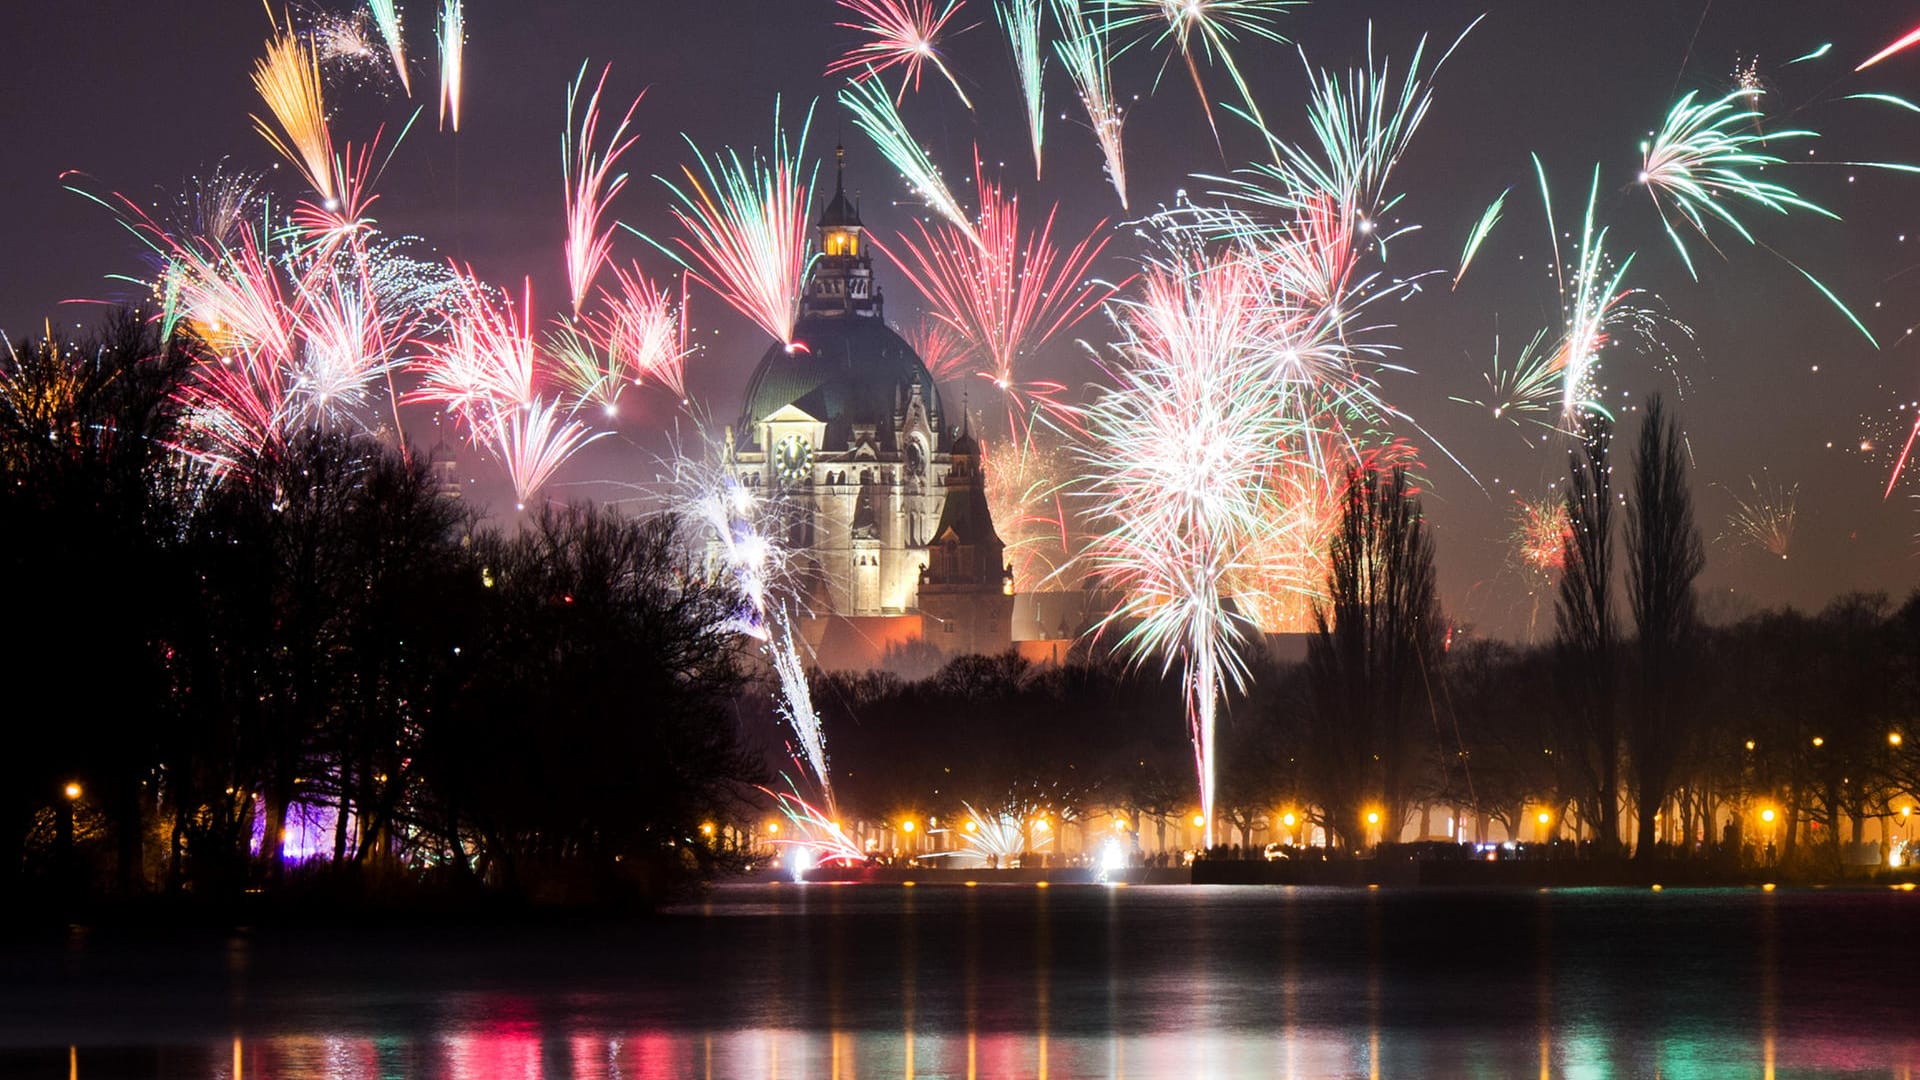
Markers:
point(141, 96)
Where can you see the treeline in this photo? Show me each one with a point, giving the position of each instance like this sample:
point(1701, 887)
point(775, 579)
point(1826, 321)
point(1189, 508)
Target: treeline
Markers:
point(1639, 730)
point(311, 668)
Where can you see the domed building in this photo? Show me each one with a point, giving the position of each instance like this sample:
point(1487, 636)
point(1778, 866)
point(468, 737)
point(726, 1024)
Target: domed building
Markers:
point(891, 517)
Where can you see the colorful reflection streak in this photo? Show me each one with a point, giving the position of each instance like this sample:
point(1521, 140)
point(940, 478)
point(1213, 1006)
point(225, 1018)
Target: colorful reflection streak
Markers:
point(1005, 979)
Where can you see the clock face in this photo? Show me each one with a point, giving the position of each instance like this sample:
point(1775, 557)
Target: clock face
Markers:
point(792, 460)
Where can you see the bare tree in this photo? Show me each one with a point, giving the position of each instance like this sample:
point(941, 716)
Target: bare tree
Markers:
point(1665, 554)
point(1374, 643)
point(1586, 640)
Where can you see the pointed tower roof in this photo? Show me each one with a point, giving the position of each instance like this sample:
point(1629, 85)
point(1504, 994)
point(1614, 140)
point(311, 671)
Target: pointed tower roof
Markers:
point(966, 444)
point(840, 212)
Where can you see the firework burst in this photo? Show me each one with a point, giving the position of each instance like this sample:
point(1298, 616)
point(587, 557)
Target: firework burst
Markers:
point(484, 362)
point(746, 228)
point(904, 33)
point(1028, 481)
point(1701, 164)
point(645, 331)
point(1539, 535)
point(945, 354)
point(1179, 468)
point(1209, 27)
point(532, 439)
point(1011, 291)
point(1764, 517)
point(288, 81)
point(590, 184)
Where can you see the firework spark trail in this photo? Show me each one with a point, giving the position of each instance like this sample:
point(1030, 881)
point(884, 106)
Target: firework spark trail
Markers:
point(796, 704)
point(999, 839)
point(875, 114)
point(1179, 464)
point(747, 231)
point(1765, 518)
point(815, 830)
point(288, 81)
point(1481, 230)
point(1009, 292)
point(532, 439)
point(1021, 20)
point(1593, 307)
point(745, 528)
point(904, 33)
point(387, 17)
point(453, 60)
point(1900, 460)
point(1910, 39)
point(1086, 50)
point(746, 525)
point(1214, 25)
point(644, 331)
point(591, 183)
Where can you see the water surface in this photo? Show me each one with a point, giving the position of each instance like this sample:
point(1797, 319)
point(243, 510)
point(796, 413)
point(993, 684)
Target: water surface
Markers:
point(846, 981)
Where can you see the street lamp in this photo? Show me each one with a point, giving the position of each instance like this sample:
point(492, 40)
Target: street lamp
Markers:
point(72, 790)
point(1199, 821)
point(1818, 741)
point(1894, 739)
point(907, 825)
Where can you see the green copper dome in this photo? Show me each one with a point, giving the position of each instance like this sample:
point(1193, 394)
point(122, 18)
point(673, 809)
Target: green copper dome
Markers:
point(852, 371)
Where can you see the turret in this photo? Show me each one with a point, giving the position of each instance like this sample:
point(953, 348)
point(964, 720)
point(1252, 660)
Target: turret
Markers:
point(842, 279)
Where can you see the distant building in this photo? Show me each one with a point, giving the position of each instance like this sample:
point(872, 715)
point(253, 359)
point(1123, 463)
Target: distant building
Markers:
point(891, 520)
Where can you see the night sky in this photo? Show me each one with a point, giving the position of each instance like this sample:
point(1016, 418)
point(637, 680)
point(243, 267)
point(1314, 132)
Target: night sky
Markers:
point(141, 96)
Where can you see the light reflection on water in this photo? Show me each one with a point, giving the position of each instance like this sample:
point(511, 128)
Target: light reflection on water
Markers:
point(849, 981)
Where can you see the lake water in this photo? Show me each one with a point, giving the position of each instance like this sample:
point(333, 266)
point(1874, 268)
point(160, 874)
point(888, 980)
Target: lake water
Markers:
point(847, 981)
